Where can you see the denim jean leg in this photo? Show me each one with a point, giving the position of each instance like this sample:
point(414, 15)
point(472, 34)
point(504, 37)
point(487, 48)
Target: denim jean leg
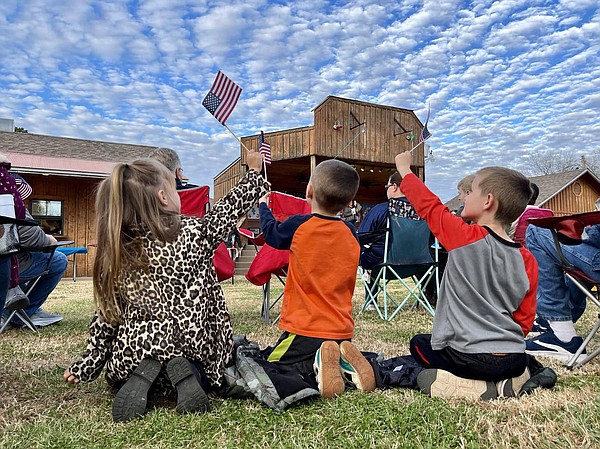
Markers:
point(48, 282)
point(578, 301)
point(558, 299)
point(553, 298)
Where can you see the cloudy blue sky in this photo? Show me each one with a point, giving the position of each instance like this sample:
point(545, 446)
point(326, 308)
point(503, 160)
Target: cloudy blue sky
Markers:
point(505, 79)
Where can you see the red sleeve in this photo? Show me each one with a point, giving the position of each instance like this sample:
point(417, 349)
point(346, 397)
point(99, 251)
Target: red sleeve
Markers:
point(451, 231)
point(525, 313)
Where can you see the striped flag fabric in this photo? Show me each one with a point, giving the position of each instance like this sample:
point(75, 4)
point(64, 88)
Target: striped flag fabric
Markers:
point(264, 148)
point(23, 187)
point(222, 97)
point(425, 134)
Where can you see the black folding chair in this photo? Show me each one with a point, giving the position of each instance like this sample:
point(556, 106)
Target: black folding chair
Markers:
point(568, 230)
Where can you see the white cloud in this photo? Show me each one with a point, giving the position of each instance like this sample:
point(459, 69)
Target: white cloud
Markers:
point(503, 78)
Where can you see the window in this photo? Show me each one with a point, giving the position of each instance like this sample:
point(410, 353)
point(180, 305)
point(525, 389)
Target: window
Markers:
point(50, 215)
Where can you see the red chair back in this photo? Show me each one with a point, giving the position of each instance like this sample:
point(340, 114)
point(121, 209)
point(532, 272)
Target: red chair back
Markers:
point(195, 202)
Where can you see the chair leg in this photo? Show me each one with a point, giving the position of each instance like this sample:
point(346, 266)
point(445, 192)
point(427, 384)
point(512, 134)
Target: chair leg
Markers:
point(26, 320)
point(12, 314)
point(23, 317)
point(572, 363)
point(266, 306)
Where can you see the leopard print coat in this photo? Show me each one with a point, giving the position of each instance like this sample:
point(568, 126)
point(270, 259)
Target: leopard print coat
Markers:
point(176, 306)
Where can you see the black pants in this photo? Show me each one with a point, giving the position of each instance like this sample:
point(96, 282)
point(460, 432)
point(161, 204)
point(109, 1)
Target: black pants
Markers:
point(481, 366)
point(296, 352)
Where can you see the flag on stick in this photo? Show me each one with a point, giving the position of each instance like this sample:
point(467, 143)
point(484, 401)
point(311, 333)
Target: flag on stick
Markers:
point(264, 148)
point(222, 97)
point(425, 134)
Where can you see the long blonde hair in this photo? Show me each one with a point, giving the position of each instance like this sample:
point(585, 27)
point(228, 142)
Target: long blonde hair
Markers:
point(127, 207)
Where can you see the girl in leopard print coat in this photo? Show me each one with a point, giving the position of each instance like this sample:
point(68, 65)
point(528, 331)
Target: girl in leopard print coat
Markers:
point(159, 306)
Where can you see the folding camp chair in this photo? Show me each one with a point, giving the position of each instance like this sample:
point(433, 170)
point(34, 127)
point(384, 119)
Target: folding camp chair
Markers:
point(568, 230)
point(407, 258)
point(270, 261)
point(523, 221)
point(27, 284)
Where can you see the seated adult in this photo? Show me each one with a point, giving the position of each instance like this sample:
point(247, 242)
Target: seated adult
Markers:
point(560, 303)
point(371, 255)
point(32, 264)
point(170, 159)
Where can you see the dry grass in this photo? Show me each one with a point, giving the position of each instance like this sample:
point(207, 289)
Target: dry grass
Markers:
point(38, 410)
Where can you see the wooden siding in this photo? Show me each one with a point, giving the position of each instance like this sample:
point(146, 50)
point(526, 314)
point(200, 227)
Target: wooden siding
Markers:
point(288, 144)
point(78, 196)
point(229, 177)
point(575, 198)
point(384, 131)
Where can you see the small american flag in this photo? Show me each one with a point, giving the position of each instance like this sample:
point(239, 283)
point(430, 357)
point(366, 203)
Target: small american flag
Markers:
point(264, 148)
point(23, 188)
point(425, 134)
point(222, 97)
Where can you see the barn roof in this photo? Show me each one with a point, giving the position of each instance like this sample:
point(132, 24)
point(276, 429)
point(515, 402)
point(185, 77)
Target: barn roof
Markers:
point(38, 153)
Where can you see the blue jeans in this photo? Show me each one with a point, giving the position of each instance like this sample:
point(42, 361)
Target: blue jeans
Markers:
point(4, 280)
point(558, 299)
point(48, 282)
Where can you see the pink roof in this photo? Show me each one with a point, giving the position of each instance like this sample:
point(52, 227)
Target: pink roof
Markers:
point(39, 164)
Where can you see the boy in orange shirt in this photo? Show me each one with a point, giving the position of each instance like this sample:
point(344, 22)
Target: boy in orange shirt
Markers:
point(316, 314)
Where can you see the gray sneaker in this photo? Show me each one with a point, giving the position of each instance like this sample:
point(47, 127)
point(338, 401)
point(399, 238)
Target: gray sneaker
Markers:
point(42, 318)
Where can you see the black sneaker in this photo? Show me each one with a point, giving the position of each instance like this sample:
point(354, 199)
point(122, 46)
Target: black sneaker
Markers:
point(543, 378)
point(191, 397)
point(438, 383)
point(132, 399)
point(549, 345)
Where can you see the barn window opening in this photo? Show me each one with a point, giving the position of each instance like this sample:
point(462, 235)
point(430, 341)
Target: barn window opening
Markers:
point(50, 215)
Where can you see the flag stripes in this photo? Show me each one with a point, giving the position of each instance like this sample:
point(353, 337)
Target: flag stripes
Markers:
point(222, 97)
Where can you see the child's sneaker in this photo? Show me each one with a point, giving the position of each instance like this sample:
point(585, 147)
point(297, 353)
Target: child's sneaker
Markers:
point(354, 365)
point(438, 383)
point(132, 399)
point(510, 388)
point(191, 397)
point(549, 345)
point(327, 370)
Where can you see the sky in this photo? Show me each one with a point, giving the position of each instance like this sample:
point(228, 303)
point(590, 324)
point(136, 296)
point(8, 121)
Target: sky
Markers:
point(505, 80)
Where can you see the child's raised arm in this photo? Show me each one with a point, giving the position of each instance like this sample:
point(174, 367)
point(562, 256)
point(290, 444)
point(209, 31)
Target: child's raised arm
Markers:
point(224, 214)
point(403, 162)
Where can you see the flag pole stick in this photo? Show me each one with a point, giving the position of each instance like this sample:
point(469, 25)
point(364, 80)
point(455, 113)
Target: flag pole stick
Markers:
point(416, 146)
point(236, 137)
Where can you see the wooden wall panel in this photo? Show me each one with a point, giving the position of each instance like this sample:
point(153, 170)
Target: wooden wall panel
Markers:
point(576, 198)
point(78, 196)
point(378, 144)
point(227, 179)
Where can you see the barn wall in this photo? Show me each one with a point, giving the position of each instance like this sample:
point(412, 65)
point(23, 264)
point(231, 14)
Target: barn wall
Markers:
point(575, 198)
point(78, 196)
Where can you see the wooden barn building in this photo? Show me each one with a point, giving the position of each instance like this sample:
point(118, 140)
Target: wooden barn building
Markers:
point(365, 135)
point(565, 193)
point(63, 174)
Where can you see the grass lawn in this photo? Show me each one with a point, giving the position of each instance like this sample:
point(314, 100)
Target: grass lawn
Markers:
point(38, 410)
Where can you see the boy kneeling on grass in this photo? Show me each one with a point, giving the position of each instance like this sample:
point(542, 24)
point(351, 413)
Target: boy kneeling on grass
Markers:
point(316, 314)
point(487, 299)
